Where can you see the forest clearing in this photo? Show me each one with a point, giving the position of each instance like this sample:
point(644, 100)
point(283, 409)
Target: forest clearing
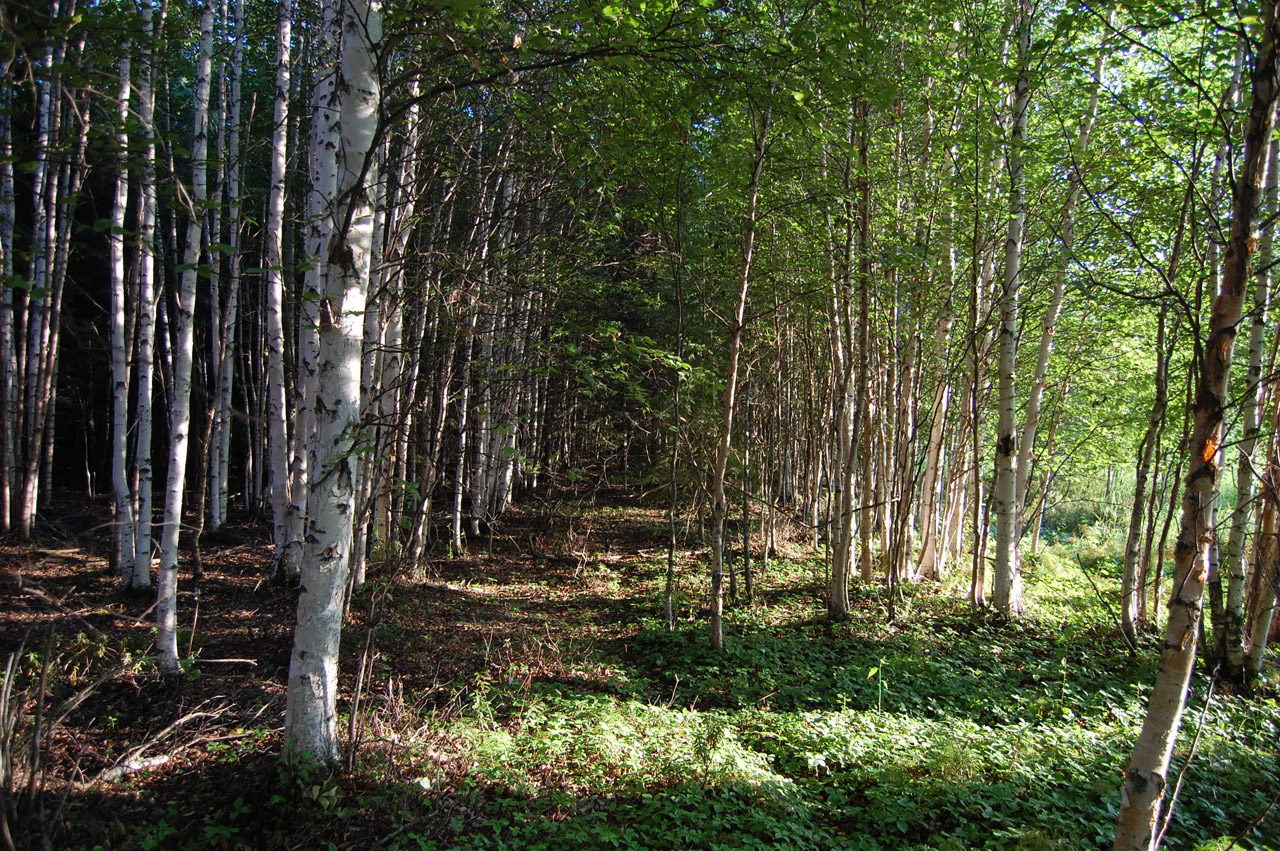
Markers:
point(639, 424)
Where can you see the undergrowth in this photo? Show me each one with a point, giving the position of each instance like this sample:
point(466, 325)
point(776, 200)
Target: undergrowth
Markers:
point(944, 730)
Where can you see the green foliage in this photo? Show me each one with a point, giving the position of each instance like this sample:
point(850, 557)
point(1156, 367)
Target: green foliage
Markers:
point(944, 731)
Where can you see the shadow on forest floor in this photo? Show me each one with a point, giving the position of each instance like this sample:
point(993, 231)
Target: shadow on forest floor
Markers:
point(532, 699)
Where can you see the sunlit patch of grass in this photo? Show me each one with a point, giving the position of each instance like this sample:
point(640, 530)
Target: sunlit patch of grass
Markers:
point(858, 778)
point(593, 744)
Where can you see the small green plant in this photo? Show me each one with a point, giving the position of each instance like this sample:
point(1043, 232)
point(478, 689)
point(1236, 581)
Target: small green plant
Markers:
point(878, 672)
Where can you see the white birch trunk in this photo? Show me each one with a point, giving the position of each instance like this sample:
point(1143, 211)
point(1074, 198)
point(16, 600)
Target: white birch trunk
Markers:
point(723, 441)
point(311, 713)
point(932, 554)
point(145, 337)
point(322, 162)
point(225, 343)
point(183, 332)
point(371, 385)
point(1233, 559)
point(1268, 587)
point(44, 199)
point(1006, 587)
point(123, 527)
point(1049, 325)
point(8, 351)
point(277, 404)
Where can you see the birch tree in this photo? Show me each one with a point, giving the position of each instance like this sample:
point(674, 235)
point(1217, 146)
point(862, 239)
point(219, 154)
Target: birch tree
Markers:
point(1147, 774)
point(277, 399)
point(123, 525)
point(183, 333)
point(144, 356)
point(8, 350)
point(1049, 324)
point(1230, 642)
point(311, 711)
point(1006, 588)
point(723, 441)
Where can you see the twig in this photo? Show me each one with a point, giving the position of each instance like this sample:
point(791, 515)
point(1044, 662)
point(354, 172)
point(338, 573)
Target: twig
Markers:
point(1177, 785)
point(136, 752)
point(354, 725)
point(41, 693)
point(195, 619)
point(382, 843)
point(1253, 825)
point(79, 697)
point(41, 595)
point(253, 662)
point(1133, 651)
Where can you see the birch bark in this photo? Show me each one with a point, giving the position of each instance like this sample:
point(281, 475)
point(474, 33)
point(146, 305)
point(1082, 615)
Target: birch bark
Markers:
point(311, 711)
point(1146, 776)
point(183, 331)
point(225, 345)
point(1231, 641)
point(146, 333)
point(1006, 586)
point(277, 404)
point(123, 527)
point(322, 163)
point(718, 504)
point(1049, 325)
point(8, 351)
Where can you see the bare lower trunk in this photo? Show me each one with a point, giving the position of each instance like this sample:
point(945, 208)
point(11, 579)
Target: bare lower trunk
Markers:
point(932, 553)
point(1231, 641)
point(8, 351)
point(1268, 585)
point(123, 521)
point(1129, 590)
point(1048, 328)
point(219, 450)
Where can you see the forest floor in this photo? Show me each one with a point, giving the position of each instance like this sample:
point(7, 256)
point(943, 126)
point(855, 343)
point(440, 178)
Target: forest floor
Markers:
point(528, 695)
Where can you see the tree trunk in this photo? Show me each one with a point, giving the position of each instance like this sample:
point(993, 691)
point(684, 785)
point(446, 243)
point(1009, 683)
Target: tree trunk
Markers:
point(1231, 639)
point(228, 315)
point(1049, 326)
point(1222, 163)
point(323, 167)
point(1147, 775)
point(1268, 581)
point(718, 504)
point(1006, 586)
point(146, 333)
point(311, 711)
point(8, 350)
point(277, 399)
point(1129, 589)
point(183, 342)
point(123, 520)
point(932, 553)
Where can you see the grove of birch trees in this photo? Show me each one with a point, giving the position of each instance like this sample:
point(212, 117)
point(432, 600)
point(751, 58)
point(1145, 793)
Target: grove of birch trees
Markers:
point(896, 280)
